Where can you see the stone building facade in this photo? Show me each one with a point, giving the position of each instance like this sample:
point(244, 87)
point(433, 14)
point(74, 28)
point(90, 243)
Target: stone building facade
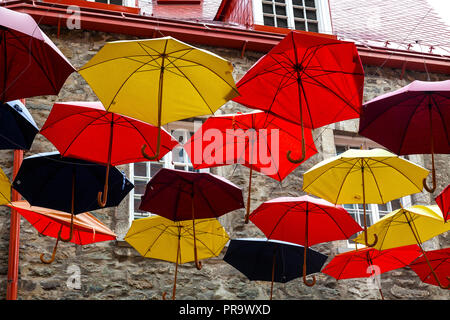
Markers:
point(114, 270)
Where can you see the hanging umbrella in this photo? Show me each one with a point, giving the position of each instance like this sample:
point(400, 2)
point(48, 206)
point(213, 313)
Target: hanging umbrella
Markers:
point(364, 176)
point(406, 226)
point(93, 134)
point(17, 126)
point(440, 263)
point(360, 263)
point(159, 238)
point(159, 80)
point(258, 140)
point(271, 260)
point(52, 223)
point(304, 220)
point(310, 80)
point(5, 188)
point(181, 195)
point(68, 184)
point(411, 120)
point(30, 63)
point(443, 201)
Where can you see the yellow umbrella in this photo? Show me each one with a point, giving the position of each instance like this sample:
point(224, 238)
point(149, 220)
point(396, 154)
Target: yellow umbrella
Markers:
point(406, 226)
point(160, 238)
point(5, 189)
point(159, 80)
point(364, 176)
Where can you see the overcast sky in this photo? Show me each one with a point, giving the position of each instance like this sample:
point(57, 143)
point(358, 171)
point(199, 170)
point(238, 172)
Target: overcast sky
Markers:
point(442, 7)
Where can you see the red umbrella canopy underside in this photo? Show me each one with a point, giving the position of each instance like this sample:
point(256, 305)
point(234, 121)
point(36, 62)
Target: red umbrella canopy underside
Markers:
point(440, 262)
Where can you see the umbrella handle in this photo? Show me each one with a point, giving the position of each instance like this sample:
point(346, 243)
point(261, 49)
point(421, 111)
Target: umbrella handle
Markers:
point(433, 188)
point(247, 215)
point(371, 245)
point(309, 283)
point(71, 232)
point(102, 197)
point(53, 254)
point(302, 157)
point(158, 147)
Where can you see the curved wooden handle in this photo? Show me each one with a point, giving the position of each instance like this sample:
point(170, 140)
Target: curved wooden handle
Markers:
point(303, 153)
point(374, 242)
point(158, 147)
point(53, 254)
point(164, 294)
point(433, 188)
point(102, 198)
point(309, 284)
point(70, 235)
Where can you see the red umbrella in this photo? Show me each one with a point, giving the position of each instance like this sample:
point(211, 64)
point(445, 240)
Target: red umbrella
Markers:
point(361, 263)
point(30, 63)
point(304, 220)
point(258, 140)
point(85, 130)
point(443, 201)
point(53, 223)
point(307, 79)
point(181, 195)
point(411, 120)
point(440, 263)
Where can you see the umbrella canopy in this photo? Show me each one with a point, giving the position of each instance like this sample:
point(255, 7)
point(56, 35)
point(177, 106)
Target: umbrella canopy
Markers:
point(93, 134)
point(258, 140)
point(5, 188)
point(180, 195)
point(30, 63)
point(440, 262)
point(405, 226)
point(159, 238)
point(54, 223)
point(68, 184)
point(364, 176)
point(304, 220)
point(17, 126)
point(176, 80)
point(443, 201)
point(271, 260)
point(361, 263)
point(310, 80)
point(411, 120)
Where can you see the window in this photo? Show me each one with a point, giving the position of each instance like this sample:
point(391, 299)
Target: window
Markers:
point(306, 15)
point(127, 3)
point(142, 172)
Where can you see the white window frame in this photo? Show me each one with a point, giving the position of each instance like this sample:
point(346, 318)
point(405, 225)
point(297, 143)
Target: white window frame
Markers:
point(182, 128)
point(322, 13)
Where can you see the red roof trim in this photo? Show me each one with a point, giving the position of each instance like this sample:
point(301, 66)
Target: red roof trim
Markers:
point(213, 35)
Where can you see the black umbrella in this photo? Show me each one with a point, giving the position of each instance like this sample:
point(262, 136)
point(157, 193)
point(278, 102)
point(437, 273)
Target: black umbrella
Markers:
point(67, 184)
point(17, 127)
point(271, 260)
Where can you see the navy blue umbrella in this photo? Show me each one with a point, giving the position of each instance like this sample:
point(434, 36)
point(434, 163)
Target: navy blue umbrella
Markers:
point(17, 127)
point(67, 184)
point(271, 260)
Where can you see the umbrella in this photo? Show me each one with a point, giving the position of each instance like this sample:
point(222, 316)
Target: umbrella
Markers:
point(304, 220)
point(360, 263)
point(54, 223)
point(159, 238)
point(440, 263)
point(271, 260)
point(443, 201)
point(257, 140)
point(310, 80)
point(5, 188)
point(30, 63)
point(93, 134)
point(17, 126)
point(68, 184)
point(364, 176)
point(406, 226)
point(411, 120)
point(159, 80)
point(181, 195)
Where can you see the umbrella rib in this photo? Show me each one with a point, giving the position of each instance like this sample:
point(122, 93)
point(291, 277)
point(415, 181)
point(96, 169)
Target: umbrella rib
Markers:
point(332, 218)
point(375, 179)
point(345, 266)
point(429, 272)
point(444, 124)
point(307, 104)
point(156, 239)
point(343, 181)
point(117, 58)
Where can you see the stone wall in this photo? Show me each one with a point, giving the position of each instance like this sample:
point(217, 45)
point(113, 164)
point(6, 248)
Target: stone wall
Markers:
point(114, 270)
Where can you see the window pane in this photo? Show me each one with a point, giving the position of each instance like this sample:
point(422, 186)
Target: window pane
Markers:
point(300, 25)
point(137, 203)
point(267, 8)
point(310, 3)
point(139, 187)
point(269, 21)
point(313, 27)
point(178, 155)
point(298, 13)
point(282, 23)
point(297, 2)
point(180, 167)
point(280, 10)
point(280, 1)
point(383, 207)
point(311, 14)
point(140, 169)
point(154, 168)
point(395, 204)
point(102, 1)
point(118, 2)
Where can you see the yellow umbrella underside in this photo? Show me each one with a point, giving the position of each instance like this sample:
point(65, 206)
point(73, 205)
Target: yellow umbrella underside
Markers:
point(395, 229)
point(386, 177)
point(141, 74)
point(5, 189)
point(157, 237)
